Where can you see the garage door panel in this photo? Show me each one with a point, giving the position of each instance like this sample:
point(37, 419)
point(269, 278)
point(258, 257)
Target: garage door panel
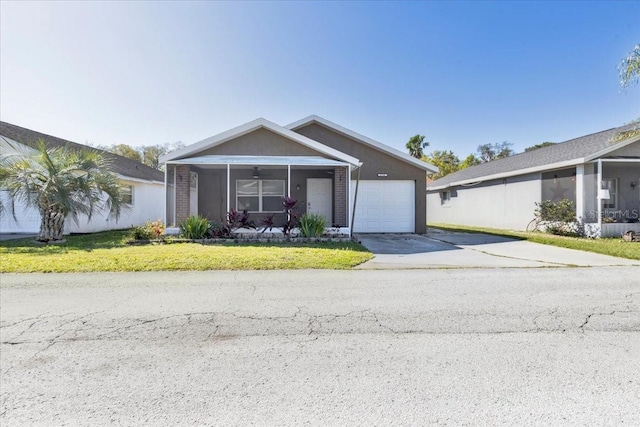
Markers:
point(385, 207)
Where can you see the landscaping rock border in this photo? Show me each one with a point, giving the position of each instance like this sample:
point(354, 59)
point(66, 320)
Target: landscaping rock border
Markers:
point(332, 239)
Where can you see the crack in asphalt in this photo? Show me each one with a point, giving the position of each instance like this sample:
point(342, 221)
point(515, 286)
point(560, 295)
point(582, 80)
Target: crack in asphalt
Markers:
point(300, 323)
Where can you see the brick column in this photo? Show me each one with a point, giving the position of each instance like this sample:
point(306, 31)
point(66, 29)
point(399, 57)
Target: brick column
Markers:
point(183, 192)
point(340, 197)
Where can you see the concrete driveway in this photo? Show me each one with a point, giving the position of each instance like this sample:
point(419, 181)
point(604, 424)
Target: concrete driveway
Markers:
point(445, 249)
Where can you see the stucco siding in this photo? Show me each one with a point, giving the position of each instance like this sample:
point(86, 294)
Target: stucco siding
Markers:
point(508, 203)
point(376, 165)
point(261, 142)
point(147, 206)
point(631, 150)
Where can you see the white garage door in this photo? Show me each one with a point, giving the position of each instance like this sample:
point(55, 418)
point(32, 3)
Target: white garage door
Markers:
point(384, 207)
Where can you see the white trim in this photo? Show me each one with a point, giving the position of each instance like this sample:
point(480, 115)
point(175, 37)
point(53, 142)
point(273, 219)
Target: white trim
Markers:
point(259, 161)
point(166, 189)
point(144, 181)
point(621, 160)
point(253, 126)
point(598, 187)
point(367, 141)
point(579, 191)
point(228, 187)
point(542, 168)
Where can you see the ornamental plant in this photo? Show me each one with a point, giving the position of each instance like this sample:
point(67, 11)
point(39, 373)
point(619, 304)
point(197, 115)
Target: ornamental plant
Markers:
point(312, 225)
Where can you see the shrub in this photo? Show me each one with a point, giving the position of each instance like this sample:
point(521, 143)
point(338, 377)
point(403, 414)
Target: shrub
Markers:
point(149, 231)
point(562, 211)
point(312, 225)
point(559, 218)
point(217, 230)
point(194, 227)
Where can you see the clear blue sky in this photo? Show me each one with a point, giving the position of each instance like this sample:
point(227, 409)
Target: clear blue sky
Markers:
point(461, 73)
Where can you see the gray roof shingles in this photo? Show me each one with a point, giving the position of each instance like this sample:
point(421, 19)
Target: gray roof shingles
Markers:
point(118, 164)
point(577, 148)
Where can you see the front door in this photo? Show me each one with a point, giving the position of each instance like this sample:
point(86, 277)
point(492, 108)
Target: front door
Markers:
point(319, 198)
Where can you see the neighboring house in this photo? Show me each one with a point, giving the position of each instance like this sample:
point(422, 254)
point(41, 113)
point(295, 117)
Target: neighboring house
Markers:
point(319, 163)
point(143, 185)
point(599, 173)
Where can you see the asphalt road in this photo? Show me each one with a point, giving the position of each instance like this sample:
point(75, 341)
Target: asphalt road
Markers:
point(543, 346)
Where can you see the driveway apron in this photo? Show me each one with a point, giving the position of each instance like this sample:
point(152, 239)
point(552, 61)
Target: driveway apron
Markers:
point(444, 249)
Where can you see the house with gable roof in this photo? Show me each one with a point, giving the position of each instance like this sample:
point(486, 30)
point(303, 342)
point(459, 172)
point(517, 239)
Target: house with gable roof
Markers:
point(143, 187)
point(358, 184)
point(599, 173)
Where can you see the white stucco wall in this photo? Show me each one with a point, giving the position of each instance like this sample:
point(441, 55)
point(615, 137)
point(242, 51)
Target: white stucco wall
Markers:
point(27, 220)
point(508, 203)
point(148, 205)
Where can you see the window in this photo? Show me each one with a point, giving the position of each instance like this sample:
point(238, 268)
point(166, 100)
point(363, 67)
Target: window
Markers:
point(445, 197)
point(259, 195)
point(127, 194)
point(610, 184)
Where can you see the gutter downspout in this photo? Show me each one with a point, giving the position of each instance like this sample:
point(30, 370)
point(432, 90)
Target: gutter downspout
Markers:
point(355, 200)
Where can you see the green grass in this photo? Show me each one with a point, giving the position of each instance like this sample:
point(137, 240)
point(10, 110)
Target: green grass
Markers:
point(108, 251)
point(614, 246)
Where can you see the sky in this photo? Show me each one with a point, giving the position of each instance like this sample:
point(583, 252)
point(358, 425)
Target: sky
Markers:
point(460, 73)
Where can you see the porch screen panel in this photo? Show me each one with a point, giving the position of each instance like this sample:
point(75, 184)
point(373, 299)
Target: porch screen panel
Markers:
point(248, 195)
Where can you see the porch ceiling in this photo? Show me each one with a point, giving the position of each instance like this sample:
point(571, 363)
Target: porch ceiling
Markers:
point(261, 161)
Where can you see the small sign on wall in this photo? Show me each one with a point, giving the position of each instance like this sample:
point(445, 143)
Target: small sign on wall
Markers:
point(383, 174)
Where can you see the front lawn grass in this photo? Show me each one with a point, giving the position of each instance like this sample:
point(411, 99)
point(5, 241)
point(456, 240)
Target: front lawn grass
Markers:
point(612, 246)
point(108, 251)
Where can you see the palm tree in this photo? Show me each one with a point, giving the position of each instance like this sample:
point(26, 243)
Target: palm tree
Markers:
point(60, 183)
point(629, 68)
point(415, 145)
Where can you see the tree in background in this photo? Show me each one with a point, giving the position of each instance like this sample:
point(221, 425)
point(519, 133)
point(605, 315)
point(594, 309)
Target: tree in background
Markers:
point(127, 151)
point(489, 152)
point(629, 68)
point(146, 154)
point(446, 162)
point(60, 183)
point(151, 153)
point(416, 145)
point(470, 160)
point(541, 145)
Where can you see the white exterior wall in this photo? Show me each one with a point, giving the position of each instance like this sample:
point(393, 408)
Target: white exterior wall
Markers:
point(508, 203)
point(148, 205)
point(27, 220)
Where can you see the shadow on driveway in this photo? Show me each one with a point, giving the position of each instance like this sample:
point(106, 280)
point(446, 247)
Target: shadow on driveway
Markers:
point(402, 244)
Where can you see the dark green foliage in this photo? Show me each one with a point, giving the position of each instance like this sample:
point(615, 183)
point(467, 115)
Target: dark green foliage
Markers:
point(563, 211)
point(312, 225)
point(194, 227)
point(542, 145)
point(559, 218)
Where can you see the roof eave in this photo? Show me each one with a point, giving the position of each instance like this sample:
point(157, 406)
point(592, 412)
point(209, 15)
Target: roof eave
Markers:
point(557, 165)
